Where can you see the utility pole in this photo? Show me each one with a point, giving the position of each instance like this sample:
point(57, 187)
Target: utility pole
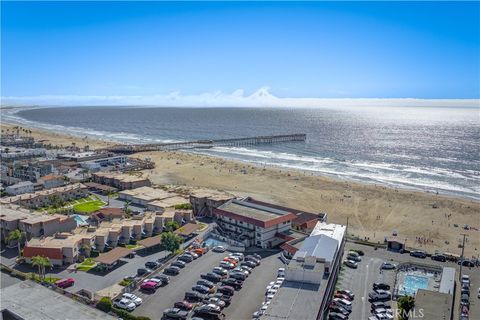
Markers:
point(461, 257)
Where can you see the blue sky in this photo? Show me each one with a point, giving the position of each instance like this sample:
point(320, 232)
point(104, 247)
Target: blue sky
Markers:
point(314, 49)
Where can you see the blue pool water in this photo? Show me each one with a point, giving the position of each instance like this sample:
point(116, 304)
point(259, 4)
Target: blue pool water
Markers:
point(81, 220)
point(210, 242)
point(412, 283)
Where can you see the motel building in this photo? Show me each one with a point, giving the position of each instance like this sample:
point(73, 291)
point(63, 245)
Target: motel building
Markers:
point(253, 224)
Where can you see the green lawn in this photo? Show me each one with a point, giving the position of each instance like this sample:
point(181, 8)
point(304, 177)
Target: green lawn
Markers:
point(86, 265)
point(132, 246)
point(88, 207)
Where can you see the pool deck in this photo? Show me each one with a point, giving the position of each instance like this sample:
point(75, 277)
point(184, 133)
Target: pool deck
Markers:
point(433, 283)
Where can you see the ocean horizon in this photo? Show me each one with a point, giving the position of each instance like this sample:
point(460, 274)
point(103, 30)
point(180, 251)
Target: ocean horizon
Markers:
point(432, 149)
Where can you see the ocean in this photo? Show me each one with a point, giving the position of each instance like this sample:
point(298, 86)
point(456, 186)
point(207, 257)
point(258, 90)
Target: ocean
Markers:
point(430, 149)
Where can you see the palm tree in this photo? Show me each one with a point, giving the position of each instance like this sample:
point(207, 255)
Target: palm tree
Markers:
point(125, 206)
point(18, 236)
point(41, 262)
point(109, 195)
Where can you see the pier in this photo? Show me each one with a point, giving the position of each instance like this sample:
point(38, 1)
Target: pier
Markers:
point(204, 144)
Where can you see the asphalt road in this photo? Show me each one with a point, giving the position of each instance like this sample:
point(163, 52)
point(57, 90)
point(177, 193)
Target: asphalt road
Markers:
point(244, 302)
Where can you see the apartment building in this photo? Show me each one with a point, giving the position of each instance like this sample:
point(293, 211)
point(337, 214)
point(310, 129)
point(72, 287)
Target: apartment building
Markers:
point(121, 181)
point(31, 170)
point(253, 224)
point(32, 223)
point(20, 188)
point(52, 181)
point(205, 200)
point(44, 198)
point(145, 195)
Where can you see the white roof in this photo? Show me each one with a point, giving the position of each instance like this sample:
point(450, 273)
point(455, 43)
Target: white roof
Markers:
point(335, 231)
point(320, 246)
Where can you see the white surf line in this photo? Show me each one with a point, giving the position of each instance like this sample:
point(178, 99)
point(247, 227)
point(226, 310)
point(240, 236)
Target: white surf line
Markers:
point(364, 293)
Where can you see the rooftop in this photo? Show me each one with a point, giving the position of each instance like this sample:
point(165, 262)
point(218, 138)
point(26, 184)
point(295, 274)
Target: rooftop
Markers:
point(335, 231)
point(254, 213)
point(169, 202)
point(149, 193)
point(434, 305)
point(31, 301)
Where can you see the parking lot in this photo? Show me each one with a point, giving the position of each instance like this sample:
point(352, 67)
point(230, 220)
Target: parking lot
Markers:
point(360, 280)
point(244, 302)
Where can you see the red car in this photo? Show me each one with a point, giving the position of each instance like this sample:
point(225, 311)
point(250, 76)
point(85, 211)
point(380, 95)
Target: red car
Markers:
point(183, 305)
point(232, 261)
point(65, 283)
point(148, 286)
point(342, 296)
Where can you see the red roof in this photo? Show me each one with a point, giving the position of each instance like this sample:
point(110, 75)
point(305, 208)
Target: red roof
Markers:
point(51, 253)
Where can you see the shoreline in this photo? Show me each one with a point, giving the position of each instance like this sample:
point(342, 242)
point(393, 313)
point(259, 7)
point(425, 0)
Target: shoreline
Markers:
point(373, 211)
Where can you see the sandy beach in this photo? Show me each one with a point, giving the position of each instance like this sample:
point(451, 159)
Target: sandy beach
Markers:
point(373, 211)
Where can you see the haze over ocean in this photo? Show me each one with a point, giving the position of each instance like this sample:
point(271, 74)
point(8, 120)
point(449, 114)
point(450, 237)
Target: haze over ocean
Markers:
point(433, 149)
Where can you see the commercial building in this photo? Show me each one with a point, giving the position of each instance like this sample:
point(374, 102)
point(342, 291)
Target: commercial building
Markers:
point(30, 170)
point(252, 224)
point(432, 305)
point(19, 188)
point(44, 198)
point(121, 181)
point(9, 154)
point(310, 276)
point(28, 300)
point(205, 200)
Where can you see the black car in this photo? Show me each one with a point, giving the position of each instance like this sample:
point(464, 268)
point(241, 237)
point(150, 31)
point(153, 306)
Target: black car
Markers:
point(438, 257)
point(339, 309)
point(178, 263)
point(382, 286)
point(418, 254)
point(236, 284)
point(253, 259)
point(248, 263)
point(201, 289)
point(226, 290)
point(193, 296)
point(165, 279)
point(185, 258)
point(151, 264)
point(207, 310)
point(223, 297)
point(175, 313)
point(466, 263)
point(172, 270)
point(337, 316)
point(143, 271)
point(206, 283)
point(210, 276)
point(238, 276)
point(380, 305)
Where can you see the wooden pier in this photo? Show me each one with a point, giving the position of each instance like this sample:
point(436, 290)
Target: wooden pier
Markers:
point(204, 144)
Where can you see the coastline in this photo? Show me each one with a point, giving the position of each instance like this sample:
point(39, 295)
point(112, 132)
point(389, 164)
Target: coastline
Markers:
point(373, 211)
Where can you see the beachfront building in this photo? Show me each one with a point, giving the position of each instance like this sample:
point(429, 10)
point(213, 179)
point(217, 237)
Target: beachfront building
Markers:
point(170, 202)
point(34, 224)
point(146, 196)
point(19, 188)
point(121, 181)
point(203, 201)
point(30, 170)
point(310, 276)
point(45, 197)
point(252, 224)
point(10, 154)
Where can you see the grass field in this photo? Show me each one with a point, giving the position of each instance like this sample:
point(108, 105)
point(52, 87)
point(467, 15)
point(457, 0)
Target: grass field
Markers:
point(86, 265)
point(90, 206)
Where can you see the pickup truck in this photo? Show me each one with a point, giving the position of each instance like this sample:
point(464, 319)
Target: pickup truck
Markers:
point(124, 304)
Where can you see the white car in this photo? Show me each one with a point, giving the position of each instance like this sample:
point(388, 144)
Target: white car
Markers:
point(388, 266)
point(281, 272)
point(133, 298)
point(124, 304)
point(234, 258)
point(238, 254)
point(226, 265)
point(219, 249)
point(280, 279)
point(278, 282)
point(269, 297)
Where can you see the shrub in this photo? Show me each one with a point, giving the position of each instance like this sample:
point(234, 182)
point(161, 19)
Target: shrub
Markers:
point(105, 304)
point(125, 315)
point(184, 206)
point(125, 282)
point(143, 318)
point(94, 253)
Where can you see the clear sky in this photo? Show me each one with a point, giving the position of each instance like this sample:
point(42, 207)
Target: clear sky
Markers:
point(314, 49)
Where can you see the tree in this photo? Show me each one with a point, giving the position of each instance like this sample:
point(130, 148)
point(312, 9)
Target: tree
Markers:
point(171, 226)
point(105, 304)
point(405, 304)
point(18, 236)
point(125, 207)
point(109, 194)
point(41, 262)
point(171, 242)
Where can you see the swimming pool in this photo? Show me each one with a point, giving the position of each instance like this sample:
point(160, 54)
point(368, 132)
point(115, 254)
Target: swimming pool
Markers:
point(411, 283)
point(211, 242)
point(81, 220)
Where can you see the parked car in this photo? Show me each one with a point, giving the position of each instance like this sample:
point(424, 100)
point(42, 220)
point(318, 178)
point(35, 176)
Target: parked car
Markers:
point(347, 292)
point(226, 298)
point(219, 249)
point(133, 298)
point(185, 258)
point(179, 264)
point(466, 279)
point(355, 258)
point(253, 258)
point(65, 283)
point(124, 304)
point(206, 283)
point(172, 270)
point(238, 255)
point(418, 254)
point(438, 257)
point(380, 304)
point(339, 309)
point(194, 296)
point(143, 271)
point(236, 284)
point(216, 301)
point(231, 260)
point(248, 263)
point(382, 286)
point(226, 265)
point(347, 305)
point(192, 254)
point(207, 310)
point(201, 289)
point(227, 290)
point(158, 282)
point(342, 296)
point(245, 268)
point(281, 272)
point(165, 279)
point(183, 305)
point(148, 286)
point(220, 271)
point(466, 263)
point(234, 258)
point(337, 316)
point(238, 276)
point(210, 276)
point(152, 265)
point(380, 295)
point(388, 266)
point(175, 313)
point(256, 255)
point(200, 251)
point(350, 264)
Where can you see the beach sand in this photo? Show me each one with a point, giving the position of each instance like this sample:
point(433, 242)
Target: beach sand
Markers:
point(373, 211)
